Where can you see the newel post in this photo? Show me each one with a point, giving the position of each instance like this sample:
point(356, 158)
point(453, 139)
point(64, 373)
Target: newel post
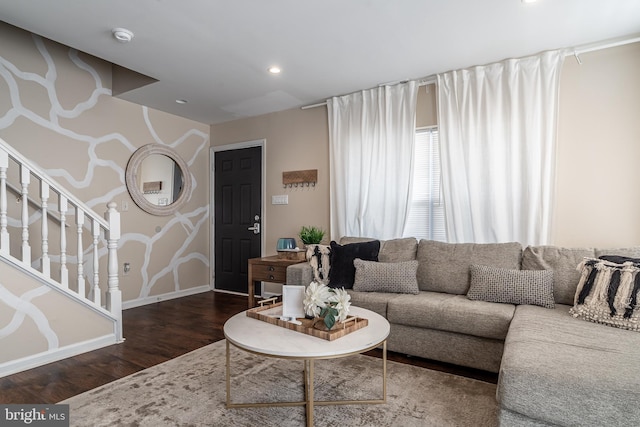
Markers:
point(114, 295)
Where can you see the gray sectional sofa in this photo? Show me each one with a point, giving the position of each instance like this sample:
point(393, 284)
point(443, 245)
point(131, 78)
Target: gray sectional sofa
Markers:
point(554, 369)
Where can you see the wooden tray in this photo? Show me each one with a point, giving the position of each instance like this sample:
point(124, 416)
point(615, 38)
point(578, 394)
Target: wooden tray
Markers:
point(271, 314)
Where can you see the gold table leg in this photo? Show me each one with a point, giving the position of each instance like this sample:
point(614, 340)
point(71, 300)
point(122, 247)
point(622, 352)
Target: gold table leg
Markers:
point(309, 401)
point(309, 394)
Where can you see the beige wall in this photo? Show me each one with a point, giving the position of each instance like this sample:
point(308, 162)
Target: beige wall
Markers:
point(295, 140)
point(598, 165)
point(598, 152)
point(426, 106)
point(46, 320)
point(57, 110)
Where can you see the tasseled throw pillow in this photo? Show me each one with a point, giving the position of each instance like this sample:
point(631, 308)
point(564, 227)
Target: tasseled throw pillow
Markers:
point(319, 260)
point(608, 293)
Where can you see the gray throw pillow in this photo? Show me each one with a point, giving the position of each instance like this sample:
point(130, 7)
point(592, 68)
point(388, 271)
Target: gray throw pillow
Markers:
point(495, 284)
point(391, 277)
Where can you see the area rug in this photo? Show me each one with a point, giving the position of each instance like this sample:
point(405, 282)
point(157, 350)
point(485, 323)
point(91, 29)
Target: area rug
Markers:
point(191, 391)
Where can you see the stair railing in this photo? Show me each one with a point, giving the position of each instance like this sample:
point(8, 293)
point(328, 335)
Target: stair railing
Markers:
point(108, 228)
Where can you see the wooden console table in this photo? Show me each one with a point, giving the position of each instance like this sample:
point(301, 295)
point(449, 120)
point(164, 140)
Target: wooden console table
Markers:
point(267, 269)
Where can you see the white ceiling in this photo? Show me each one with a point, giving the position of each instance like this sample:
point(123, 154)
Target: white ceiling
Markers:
point(215, 53)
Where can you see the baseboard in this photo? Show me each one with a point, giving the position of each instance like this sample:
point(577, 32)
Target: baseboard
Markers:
point(35, 360)
point(164, 297)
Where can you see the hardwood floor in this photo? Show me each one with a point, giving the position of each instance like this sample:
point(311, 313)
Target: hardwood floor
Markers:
point(154, 334)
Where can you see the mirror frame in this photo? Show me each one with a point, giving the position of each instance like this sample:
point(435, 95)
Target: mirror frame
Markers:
point(131, 179)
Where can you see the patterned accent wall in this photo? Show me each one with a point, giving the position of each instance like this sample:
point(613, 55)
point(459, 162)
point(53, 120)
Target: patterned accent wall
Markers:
point(57, 110)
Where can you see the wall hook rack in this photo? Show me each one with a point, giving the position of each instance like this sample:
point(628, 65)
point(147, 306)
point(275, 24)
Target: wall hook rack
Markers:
point(300, 178)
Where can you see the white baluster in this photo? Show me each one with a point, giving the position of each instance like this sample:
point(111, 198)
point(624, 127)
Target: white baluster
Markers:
point(114, 295)
point(80, 224)
point(4, 234)
point(96, 273)
point(25, 178)
point(45, 261)
point(64, 273)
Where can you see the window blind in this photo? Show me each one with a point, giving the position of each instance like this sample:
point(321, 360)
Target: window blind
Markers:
point(426, 212)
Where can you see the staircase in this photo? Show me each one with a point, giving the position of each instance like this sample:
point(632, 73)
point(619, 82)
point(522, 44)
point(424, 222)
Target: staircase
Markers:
point(57, 240)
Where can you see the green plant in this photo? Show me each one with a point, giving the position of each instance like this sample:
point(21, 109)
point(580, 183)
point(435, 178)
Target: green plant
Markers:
point(311, 235)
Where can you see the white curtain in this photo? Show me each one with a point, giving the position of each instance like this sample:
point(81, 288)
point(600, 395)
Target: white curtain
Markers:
point(497, 139)
point(371, 142)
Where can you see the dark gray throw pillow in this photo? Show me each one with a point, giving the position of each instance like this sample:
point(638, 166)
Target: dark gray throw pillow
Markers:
point(495, 284)
point(342, 273)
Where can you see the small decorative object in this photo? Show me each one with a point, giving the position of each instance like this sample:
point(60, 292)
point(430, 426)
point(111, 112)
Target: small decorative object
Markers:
point(311, 235)
point(300, 178)
point(330, 304)
point(287, 249)
point(152, 187)
point(286, 243)
point(292, 301)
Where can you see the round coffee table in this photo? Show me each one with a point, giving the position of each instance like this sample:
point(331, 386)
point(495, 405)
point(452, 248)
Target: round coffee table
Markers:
point(265, 339)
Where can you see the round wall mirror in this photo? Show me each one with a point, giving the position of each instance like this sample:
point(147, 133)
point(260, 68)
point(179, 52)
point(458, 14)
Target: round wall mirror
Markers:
point(158, 179)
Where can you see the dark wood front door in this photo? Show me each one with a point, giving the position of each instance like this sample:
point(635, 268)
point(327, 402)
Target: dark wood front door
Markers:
point(238, 215)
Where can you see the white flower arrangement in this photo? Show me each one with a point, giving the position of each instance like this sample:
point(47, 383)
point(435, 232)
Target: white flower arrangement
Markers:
point(322, 301)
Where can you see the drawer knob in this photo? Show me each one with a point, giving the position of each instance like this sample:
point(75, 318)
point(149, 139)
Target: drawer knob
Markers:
point(271, 268)
point(271, 276)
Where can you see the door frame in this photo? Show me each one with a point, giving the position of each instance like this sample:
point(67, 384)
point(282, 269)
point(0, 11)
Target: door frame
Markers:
point(263, 206)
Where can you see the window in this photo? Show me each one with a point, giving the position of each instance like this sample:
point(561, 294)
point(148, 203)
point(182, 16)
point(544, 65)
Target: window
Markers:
point(426, 209)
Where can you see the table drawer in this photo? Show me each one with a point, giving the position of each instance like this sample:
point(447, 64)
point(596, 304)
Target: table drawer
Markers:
point(270, 273)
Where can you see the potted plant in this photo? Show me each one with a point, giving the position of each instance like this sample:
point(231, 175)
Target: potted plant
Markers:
point(311, 235)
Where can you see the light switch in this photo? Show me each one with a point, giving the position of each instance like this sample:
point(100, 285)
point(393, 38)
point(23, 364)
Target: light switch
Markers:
point(280, 200)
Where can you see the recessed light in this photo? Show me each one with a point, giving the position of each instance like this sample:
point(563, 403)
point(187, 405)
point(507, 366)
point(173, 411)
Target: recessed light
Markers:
point(181, 101)
point(274, 70)
point(122, 35)
point(529, 1)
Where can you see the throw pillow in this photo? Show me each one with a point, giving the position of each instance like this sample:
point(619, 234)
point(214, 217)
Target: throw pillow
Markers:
point(608, 292)
point(393, 277)
point(319, 257)
point(503, 285)
point(343, 272)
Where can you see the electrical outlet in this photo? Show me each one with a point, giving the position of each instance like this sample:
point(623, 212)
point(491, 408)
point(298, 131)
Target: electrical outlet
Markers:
point(126, 268)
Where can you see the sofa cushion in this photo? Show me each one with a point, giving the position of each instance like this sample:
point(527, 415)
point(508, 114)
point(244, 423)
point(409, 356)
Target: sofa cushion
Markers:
point(342, 273)
point(452, 313)
point(631, 252)
point(444, 267)
point(608, 293)
point(495, 284)
point(397, 250)
point(299, 274)
point(563, 262)
point(374, 301)
point(346, 240)
point(565, 371)
point(397, 277)
point(393, 250)
point(450, 347)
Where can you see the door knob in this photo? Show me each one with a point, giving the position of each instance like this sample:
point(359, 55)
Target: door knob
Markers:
point(255, 228)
